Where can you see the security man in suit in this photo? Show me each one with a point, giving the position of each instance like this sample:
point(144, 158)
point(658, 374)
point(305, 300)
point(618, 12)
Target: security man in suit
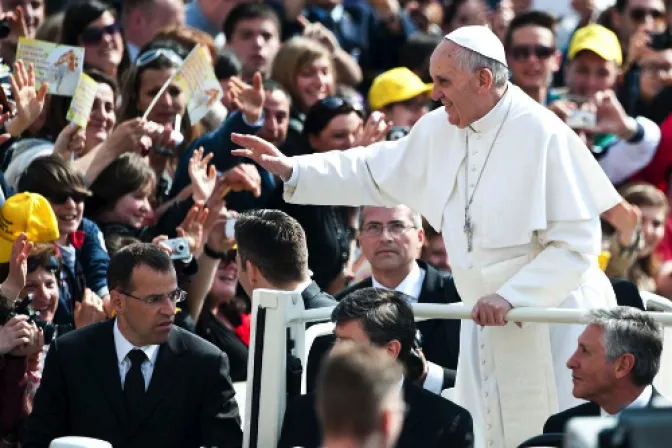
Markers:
point(137, 380)
point(617, 358)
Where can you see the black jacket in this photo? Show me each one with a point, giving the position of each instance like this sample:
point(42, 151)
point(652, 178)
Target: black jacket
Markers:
point(189, 403)
point(431, 421)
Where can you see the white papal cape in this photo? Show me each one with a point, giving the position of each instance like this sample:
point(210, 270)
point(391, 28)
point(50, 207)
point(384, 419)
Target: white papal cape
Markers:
point(536, 241)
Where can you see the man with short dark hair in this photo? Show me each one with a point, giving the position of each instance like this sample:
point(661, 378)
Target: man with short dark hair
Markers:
point(359, 401)
point(137, 380)
point(532, 54)
point(272, 253)
point(614, 365)
point(252, 30)
point(384, 319)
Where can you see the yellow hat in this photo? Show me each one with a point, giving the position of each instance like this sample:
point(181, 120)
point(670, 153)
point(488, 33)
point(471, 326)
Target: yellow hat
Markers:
point(394, 86)
point(27, 213)
point(597, 39)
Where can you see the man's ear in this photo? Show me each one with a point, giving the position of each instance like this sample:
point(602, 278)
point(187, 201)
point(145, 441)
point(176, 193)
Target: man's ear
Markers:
point(253, 274)
point(117, 301)
point(393, 348)
point(623, 365)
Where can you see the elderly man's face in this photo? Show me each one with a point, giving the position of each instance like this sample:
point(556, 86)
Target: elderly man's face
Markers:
point(592, 374)
point(456, 88)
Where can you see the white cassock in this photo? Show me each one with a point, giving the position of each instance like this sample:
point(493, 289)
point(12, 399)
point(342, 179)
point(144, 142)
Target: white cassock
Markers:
point(536, 241)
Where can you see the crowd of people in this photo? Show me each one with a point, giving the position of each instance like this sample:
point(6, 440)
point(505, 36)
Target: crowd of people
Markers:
point(127, 232)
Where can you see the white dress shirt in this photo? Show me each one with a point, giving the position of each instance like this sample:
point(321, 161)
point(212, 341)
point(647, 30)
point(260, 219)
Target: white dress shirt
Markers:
point(640, 402)
point(123, 348)
point(411, 285)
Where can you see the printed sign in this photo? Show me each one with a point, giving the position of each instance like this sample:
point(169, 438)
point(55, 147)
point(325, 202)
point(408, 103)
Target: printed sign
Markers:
point(82, 101)
point(59, 65)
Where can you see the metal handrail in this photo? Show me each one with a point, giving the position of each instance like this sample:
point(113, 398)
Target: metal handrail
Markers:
point(460, 311)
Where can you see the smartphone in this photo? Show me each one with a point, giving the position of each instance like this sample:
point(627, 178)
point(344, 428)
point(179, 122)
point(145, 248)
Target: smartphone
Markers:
point(229, 229)
point(179, 247)
point(660, 41)
point(4, 28)
point(582, 119)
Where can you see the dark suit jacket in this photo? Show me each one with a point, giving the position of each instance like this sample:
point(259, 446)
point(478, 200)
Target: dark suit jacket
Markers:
point(431, 421)
point(189, 403)
point(556, 423)
point(627, 293)
point(440, 337)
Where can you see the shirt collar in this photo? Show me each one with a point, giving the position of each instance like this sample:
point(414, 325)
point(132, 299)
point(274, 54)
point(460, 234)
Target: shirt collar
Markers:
point(640, 402)
point(494, 118)
point(411, 285)
point(123, 346)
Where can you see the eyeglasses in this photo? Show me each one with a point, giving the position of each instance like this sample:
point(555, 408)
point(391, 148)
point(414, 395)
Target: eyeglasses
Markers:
point(394, 228)
point(152, 55)
point(62, 198)
point(94, 34)
point(524, 52)
point(176, 296)
point(640, 14)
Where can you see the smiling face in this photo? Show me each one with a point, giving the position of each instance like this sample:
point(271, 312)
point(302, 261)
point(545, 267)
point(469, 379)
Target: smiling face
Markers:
point(225, 282)
point(106, 52)
point(341, 133)
point(314, 81)
point(33, 12)
point(102, 118)
point(532, 56)
point(69, 211)
point(43, 285)
point(457, 89)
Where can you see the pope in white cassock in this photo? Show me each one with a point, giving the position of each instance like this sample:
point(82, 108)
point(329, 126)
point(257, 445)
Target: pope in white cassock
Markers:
point(518, 198)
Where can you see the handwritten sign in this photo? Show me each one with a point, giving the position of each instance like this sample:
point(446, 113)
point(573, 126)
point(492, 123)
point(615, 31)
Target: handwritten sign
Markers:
point(82, 101)
point(59, 65)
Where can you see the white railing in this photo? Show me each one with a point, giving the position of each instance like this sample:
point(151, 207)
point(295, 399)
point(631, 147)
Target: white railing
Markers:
point(275, 311)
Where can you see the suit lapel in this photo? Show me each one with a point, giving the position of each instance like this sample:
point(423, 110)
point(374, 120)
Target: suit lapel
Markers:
point(412, 415)
point(166, 372)
point(107, 368)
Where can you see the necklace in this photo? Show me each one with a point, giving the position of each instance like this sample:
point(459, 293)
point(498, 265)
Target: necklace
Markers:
point(468, 224)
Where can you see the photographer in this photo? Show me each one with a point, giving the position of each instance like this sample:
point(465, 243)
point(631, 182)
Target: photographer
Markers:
point(622, 144)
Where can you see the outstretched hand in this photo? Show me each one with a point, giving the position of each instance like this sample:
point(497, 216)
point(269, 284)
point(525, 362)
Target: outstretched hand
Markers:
point(263, 153)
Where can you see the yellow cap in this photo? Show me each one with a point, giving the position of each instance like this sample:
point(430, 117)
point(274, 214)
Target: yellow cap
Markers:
point(394, 86)
point(27, 213)
point(597, 39)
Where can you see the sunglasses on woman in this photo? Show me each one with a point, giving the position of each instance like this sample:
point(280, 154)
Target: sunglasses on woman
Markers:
point(94, 34)
point(640, 14)
point(337, 103)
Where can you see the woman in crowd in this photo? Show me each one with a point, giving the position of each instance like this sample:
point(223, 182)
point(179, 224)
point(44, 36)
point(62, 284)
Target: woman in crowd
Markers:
point(633, 257)
point(93, 24)
point(81, 246)
point(303, 67)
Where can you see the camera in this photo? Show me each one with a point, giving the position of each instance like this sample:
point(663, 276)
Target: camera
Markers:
point(660, 41)
point(25, 308)
point(582, 119)
point(4, 28)
point(179, 247)
point(397, 132)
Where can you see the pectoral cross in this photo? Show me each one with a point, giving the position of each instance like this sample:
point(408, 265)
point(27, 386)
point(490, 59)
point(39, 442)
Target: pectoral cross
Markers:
point(468, 230)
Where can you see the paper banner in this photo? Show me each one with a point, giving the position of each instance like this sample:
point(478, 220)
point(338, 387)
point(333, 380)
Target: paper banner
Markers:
point(197, 79)
point(59, 65)
point(82, 101)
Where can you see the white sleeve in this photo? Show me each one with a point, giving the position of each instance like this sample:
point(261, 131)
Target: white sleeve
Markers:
point(570, 249)
point(434, 379)
point(624, 159)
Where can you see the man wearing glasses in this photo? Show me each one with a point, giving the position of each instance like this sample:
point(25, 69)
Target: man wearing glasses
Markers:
point(131, 381)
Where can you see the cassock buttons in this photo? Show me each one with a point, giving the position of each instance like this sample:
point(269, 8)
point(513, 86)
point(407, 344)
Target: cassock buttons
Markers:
point(486, 395)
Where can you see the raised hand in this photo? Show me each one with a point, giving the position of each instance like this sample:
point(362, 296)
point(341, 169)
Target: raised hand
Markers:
point(248, 98)
point(192, 228)
point(203, 178)
point(29, 102)
point(71, 142)
point(18, 267)
point(264, 153)
point(244, 177)
point(375, 130)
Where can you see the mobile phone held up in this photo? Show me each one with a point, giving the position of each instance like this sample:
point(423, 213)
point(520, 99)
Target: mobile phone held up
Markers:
point(179, 247)
point(4, 29)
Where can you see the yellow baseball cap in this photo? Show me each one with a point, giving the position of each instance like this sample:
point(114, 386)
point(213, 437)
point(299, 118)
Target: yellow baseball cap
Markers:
point(597, 39)
point(27, 213)
point(394, 86)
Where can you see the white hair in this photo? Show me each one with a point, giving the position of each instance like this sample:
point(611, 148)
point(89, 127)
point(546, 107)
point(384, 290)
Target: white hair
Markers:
point(470, 61)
